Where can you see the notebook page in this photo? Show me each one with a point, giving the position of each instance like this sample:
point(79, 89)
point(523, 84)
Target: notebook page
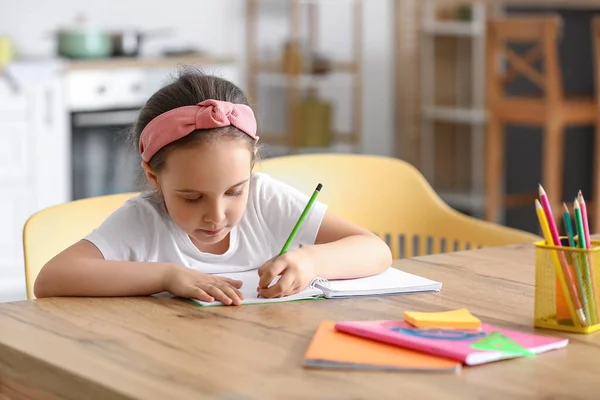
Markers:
point(391, 280)
point(250, 281)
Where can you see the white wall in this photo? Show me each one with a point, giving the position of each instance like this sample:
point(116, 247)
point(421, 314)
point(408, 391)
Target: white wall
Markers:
point(378, 101)
point(217, 26)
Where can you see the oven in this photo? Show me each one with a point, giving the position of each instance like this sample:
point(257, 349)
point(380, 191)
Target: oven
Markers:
point(103, 160)
point(103, 104)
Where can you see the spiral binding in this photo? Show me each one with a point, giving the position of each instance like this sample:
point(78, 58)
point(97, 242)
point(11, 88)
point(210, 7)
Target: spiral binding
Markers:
point(319, 281)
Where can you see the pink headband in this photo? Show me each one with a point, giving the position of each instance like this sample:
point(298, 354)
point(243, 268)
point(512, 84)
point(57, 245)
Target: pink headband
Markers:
point(179, 122)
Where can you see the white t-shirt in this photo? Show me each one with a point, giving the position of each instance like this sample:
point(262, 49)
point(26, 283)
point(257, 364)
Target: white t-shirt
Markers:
point(140, 231)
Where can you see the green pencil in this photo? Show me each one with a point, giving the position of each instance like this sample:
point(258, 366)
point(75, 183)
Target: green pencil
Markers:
point(301, 219)
point(577, 261)
point(585, 263)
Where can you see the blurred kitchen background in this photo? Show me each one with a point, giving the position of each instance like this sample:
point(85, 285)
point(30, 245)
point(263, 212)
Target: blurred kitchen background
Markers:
point(399, 78)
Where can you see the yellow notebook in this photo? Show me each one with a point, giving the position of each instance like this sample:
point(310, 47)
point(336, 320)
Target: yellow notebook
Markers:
point(455, 319)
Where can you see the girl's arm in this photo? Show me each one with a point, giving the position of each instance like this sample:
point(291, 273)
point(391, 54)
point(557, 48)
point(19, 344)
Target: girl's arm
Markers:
point(81, 270)
point(344, 250)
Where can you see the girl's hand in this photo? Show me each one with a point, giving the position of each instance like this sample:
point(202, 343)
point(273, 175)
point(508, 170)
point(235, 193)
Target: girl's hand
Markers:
point(186, 282)
point(296, 268)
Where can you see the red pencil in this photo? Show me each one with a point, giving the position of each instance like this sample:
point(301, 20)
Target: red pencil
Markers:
point(561, 256)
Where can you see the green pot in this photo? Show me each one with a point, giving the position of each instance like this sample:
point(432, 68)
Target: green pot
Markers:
point(90, 43)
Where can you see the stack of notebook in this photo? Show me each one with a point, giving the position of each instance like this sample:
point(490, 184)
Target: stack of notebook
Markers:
point(330, 348)
point(423, 342)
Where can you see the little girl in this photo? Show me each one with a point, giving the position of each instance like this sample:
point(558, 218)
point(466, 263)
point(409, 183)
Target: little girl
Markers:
point(208, 213)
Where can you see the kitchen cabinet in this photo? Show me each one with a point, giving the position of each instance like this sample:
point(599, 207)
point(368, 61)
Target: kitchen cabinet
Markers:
point(34, 162)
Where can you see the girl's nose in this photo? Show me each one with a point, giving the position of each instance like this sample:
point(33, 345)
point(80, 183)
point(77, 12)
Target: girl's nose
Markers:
point(215, 213)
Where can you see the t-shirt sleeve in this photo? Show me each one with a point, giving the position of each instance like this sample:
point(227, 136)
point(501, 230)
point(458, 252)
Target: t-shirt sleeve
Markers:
point(281, 205)
point(126, 235)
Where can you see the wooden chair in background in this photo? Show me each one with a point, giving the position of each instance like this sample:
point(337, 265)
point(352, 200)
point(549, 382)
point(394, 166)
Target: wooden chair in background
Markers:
point(552, 110)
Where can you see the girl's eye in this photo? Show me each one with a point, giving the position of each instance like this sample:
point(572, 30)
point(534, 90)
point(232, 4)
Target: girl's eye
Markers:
point(238, 193)
point(196, 200)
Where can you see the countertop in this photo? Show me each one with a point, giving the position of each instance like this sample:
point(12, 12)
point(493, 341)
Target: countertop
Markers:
point(146, 62)
point(139, 62)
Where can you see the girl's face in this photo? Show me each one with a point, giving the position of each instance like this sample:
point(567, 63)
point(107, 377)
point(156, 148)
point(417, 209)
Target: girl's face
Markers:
point(205, 188)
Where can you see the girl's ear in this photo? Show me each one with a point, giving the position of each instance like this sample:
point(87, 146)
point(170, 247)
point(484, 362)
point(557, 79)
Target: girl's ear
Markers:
point(152, 177)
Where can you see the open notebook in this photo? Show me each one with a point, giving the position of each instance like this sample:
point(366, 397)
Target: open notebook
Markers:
point(389, 281)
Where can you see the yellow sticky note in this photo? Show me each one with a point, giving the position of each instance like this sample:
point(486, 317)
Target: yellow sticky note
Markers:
point(455, 319)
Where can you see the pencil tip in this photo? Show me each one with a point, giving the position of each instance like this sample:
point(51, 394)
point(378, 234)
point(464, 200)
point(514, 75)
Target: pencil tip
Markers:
point(565, 207)
point(541, 189)
point(319, 186)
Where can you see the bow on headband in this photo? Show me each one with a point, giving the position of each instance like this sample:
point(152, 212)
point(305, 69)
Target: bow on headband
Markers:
point(179, 122)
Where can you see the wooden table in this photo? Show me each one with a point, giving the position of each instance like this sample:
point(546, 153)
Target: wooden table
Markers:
point(151, 348)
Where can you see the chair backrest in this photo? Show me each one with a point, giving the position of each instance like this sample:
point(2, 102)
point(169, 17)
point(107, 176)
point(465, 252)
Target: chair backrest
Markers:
point(540, 31)
point(391, 199)
point(50, 231)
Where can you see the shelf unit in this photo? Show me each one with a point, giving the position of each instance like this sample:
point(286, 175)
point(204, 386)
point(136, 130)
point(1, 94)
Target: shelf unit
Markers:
point(469, 109)
point(296, 81)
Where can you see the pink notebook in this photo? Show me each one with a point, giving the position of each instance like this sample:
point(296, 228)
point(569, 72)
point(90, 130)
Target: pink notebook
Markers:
point(455, 345)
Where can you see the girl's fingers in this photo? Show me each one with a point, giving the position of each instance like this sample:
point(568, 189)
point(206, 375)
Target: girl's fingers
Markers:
point(297, 288)
point(294, 288)
point(218, 294)
point(232, 293)
point(221, 281)
point(269, 272)
point(197, 293)
point(279, 289)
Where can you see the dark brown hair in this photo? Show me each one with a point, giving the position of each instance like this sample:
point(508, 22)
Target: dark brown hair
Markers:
point(191, 87)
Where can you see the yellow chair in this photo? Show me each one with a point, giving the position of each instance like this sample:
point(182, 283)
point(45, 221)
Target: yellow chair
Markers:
point(50, 231)
point(391, 199)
